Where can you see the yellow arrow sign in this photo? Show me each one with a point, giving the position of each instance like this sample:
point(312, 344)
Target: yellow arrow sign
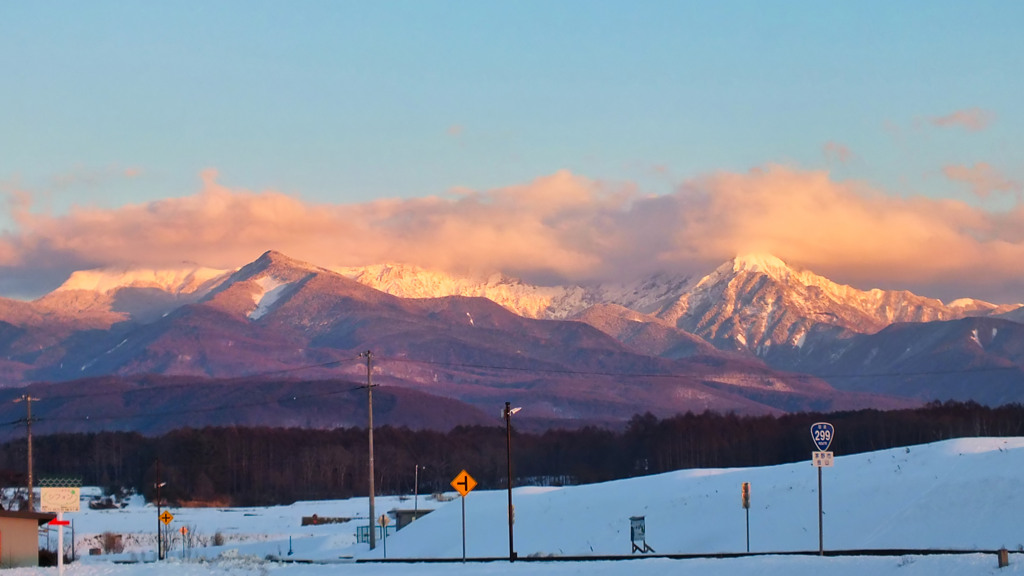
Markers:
point(166, 517)
point(464, 483)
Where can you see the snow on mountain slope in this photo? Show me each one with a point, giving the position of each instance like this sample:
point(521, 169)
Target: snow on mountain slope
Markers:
point(760, 304)
point(406, 281)
point(754, 303)
point(552, 302)
point(176, 280)
point(271, 290)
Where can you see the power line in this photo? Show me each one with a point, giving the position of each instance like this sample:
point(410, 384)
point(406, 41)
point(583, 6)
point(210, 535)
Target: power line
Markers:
point(774, 372)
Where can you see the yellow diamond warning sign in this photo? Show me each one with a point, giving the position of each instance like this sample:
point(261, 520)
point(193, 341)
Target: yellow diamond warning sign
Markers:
point(464, 483)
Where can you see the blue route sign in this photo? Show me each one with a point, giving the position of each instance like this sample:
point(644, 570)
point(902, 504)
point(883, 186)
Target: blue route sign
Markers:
point(821, 434)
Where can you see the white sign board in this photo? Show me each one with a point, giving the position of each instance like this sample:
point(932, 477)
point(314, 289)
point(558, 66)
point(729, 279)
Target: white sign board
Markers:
point(59, 499)
point(821, 459)
point(637, 529)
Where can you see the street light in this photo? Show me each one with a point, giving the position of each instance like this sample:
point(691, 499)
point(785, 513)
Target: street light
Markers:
point(416, 493)
point(507, 414)
point(159, 529)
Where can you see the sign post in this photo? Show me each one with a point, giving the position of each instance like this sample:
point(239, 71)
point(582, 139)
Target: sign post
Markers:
point(60, 495)
point(745, 497)
point(166, 517)
point(638, 535)
point(464, 484)
point(384, 520)
point(821, 434)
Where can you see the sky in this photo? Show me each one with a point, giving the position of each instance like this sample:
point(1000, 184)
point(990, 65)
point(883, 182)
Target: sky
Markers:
point(571, 141)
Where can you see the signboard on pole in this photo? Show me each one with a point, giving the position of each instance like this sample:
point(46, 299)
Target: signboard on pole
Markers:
point(166, 517)
point(464, 483)
point(59, 499)
point(822, 459)
point(821, 434)
point(638, 535)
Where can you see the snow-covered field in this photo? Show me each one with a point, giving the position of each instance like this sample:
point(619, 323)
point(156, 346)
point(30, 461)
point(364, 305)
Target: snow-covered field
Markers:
point(958, 494)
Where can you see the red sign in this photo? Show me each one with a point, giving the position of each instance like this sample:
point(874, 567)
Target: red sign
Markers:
point(56, 522)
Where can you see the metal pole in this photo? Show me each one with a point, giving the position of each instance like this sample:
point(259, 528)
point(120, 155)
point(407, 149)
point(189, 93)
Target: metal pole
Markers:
point(60, 543)
point(821, 532)
point(463, 528)
point(28, 426)
point(369, 397)
point(416, 494)
point(508, 455)
point(748, 530)
point(159, 521)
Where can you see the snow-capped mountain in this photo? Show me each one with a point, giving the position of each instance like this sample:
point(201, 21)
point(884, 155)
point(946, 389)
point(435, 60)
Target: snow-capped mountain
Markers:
point(720, 340)
point(644, 295)
point(278, 316)
point(760, 304)
point(752, 303)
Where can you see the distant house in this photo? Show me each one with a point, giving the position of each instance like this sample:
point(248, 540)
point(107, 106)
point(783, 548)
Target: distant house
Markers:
point(404, 517)
point(19, 537)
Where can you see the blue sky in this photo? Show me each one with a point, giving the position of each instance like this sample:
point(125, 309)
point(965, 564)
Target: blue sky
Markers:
point(110, 104)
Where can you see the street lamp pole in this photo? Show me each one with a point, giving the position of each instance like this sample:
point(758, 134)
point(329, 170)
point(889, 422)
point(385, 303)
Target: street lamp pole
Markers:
point(159, 520)
point(416, 494)
point(508, 412)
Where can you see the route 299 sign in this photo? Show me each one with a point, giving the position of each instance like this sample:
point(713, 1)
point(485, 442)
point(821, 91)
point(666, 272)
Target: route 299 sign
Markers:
point(821, 434)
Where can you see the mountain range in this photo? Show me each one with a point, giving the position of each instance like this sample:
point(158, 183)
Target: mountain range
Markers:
point(235, 346)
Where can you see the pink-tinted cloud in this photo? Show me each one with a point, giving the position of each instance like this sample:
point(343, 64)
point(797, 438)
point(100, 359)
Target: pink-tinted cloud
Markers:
point(561, 227)
point(970, 119)
point(837, 152)
point(982, 178)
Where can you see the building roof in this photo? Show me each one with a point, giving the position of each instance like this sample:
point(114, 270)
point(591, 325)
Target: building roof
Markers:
point(40, 517)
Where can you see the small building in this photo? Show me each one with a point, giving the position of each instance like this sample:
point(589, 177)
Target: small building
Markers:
point(404, 517)
point(19, 537)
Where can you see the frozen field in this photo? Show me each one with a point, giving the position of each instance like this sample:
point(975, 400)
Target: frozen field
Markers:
point(958, 494)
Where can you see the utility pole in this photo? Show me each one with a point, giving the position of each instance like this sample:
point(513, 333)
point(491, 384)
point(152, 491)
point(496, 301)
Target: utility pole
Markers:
point(369, 396)
point(28, 425)
point(159, 520)
point(507, 413)
point(416, 493)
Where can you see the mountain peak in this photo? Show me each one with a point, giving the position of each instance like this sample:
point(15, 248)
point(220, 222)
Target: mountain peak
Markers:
point(759, 262)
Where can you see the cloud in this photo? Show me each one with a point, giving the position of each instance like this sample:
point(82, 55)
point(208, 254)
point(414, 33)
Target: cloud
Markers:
point(558, 228)
point(92, 177)
point(982, 178)
point(837, 152)
point(970, 119)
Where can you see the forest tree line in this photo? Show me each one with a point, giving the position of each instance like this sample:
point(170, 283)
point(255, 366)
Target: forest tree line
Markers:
point(256, 466)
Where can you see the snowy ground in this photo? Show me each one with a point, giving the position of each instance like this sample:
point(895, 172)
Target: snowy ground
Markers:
point(959, 494)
